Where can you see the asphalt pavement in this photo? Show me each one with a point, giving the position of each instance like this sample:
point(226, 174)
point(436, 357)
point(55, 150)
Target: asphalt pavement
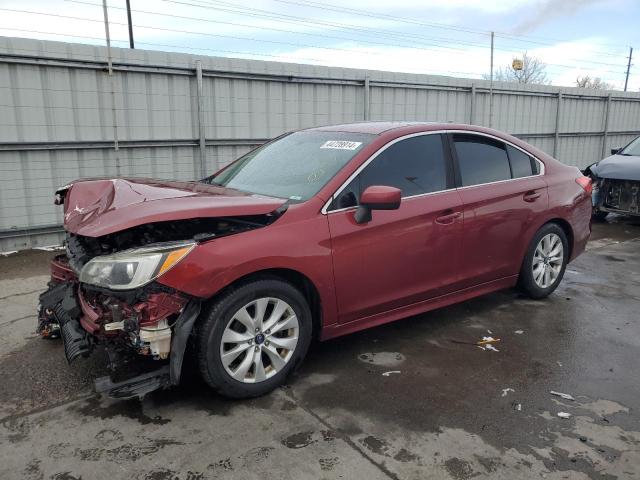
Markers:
point(410, 400)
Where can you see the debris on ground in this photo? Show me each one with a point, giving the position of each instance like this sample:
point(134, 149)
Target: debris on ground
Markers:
point(484, 344)
point(564, 415)
point(566, 396)
point(505, 391)
point(6, 254)
point(559, 364)
point(386, 374)
point(519, 332)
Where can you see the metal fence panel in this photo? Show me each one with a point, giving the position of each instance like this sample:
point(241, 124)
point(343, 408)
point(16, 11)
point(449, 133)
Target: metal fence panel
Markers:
point(580, 151)
point(59, 117)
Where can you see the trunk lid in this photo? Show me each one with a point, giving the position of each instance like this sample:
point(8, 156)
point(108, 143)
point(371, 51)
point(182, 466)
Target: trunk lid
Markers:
point(102, 206)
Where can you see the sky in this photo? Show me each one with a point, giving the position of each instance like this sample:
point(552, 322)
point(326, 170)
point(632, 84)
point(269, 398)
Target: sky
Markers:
point(446, 37)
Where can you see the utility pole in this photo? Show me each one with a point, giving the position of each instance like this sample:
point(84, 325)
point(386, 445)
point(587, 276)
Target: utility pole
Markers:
point(130, 26)
point(626, 79)
point(111, 81)
point(107, 36)
point(491, 85)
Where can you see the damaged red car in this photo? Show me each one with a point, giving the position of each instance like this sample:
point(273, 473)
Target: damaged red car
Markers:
point(316, 234)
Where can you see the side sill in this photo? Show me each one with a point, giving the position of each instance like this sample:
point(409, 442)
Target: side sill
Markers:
point(337, 330)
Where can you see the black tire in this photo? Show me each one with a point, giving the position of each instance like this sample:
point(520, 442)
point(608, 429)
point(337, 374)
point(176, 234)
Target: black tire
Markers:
point(215, 319)
point(526, 282)
point(599, 215)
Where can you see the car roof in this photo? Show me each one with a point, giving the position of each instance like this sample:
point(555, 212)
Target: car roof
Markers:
point(392, 130)
point(377, 128)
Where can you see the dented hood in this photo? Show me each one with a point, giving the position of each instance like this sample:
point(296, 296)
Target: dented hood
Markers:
point(98, 207)
point(618, 167)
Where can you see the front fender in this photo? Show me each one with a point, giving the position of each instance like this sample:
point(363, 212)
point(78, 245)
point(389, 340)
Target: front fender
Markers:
point(302, 246)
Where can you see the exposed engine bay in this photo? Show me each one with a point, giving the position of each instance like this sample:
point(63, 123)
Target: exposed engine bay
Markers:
point(80, 249)
point(621, 196)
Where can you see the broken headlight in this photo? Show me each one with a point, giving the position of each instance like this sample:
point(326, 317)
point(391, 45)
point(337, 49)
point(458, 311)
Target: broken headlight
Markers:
point(134, 268)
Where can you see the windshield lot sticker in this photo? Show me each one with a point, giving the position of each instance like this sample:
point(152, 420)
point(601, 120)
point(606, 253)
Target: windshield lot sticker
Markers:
point(341, 144)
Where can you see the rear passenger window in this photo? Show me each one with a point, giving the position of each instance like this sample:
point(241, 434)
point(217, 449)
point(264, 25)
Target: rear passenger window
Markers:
point(415, 165)
point(481, 160)
point(535, 166)
point(521, 163)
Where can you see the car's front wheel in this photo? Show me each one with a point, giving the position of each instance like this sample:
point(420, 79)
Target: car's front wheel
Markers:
point(253, 337)
point(544, 264)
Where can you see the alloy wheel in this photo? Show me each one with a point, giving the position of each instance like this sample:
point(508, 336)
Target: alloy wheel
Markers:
point(548, 260)
point(259, 340)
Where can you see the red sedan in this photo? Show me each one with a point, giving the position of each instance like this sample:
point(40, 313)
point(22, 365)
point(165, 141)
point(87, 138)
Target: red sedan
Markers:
point(318, 233)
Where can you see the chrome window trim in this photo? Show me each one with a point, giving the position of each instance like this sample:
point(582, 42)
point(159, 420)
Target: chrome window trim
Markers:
point(410, 197)
point(325, 207)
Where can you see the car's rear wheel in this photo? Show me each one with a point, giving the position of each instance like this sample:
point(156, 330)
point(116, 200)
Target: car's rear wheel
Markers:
point(253, 337)
point(545, 262)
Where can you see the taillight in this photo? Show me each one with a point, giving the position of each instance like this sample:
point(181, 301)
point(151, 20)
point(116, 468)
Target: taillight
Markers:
point(585, 183)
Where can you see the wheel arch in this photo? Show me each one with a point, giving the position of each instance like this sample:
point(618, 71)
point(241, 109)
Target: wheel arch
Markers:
point(560, 222)
point(568, 231)
point(297, 279)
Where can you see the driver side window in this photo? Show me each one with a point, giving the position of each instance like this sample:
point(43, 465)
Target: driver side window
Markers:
point(416, 165)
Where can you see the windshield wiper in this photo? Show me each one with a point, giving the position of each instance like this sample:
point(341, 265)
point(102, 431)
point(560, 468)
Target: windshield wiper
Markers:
point(209, 180)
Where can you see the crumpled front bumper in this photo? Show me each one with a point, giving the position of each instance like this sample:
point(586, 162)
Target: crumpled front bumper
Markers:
point(616, 196)
point(60, 313)
point(149, 323)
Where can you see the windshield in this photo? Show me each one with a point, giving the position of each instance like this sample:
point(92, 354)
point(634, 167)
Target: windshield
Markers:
point(295, 167)
point(632, 149)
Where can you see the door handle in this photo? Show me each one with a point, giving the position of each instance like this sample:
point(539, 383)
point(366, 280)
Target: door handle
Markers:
point(531, 196)
point(448, 217)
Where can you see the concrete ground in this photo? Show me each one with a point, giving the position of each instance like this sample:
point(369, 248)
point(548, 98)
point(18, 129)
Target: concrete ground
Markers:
point(447, 410)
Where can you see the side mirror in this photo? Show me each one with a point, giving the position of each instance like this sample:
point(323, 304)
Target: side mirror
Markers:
point(615, 150)
point(377, 197)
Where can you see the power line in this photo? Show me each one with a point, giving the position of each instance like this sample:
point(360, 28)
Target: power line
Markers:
point(276, 17)
point(248, 39)
point(263, 40)
point(290, 19)
point(189, 47)
point(191, 32)
point(335, 8)
point(360, 12)
point(515, 38)
point(386, 44)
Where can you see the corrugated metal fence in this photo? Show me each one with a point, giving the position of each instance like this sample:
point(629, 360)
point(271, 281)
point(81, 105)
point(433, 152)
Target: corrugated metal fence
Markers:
point(174, 115)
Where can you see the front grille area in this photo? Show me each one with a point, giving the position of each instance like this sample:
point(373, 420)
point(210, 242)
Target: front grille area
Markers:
point(621, 195)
